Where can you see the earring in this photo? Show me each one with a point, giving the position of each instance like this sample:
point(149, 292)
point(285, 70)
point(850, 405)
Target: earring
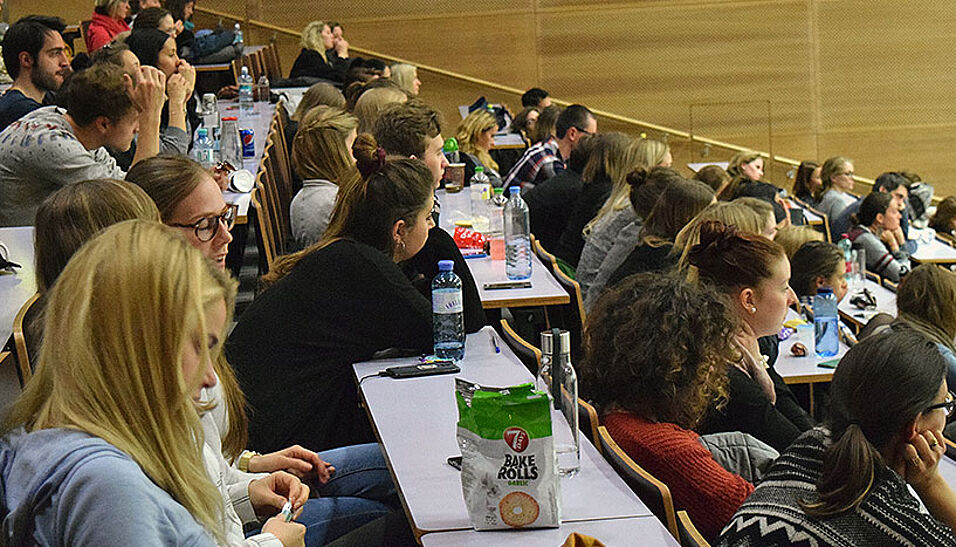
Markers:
point(753, 309)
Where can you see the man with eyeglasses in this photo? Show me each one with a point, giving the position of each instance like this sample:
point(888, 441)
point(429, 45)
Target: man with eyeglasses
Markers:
point(892, 183)
point(547, 158)
point(37, 59)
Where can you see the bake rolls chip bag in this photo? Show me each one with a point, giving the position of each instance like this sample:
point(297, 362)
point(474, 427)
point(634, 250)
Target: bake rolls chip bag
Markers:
point(509, 476)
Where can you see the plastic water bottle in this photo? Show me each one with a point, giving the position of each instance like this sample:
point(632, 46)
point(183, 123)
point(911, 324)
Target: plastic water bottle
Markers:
point(203, 150)
point(847, 247)
point(448, 316)
point(230, 147)
point(246, 101)
point(826, 329)
point(450, 148)
point(496, 213)
point(557, 378)
point(262, 88)
point(517, 237)
point(237, 36)
point(480, 197)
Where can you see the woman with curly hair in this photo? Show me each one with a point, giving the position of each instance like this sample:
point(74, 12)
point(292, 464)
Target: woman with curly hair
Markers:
point(652, 392)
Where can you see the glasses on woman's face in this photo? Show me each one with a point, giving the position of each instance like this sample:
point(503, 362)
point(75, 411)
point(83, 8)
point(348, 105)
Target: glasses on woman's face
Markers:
point(949, 405)
point(206, 228)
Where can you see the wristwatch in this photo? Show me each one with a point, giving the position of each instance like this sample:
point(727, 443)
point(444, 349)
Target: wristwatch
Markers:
point(243, 462)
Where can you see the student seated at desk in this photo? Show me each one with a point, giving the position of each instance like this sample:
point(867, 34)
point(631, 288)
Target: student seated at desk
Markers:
point(652, 390)
point(336, 303)
point(352, 482)
point(754, 273)
point(406, 76)
point(111, 425)
point(817, 265)
point(109, 19)
point(834, 195)
point(877, 233)
point(944, 220)
point(846, 484)
point(806, 182)
point(746, 172)
point(316, 39)
point(476, 137)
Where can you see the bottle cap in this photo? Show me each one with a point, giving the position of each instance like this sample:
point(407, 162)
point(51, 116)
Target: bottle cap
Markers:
point(499, 191)
point(547, 343)
point(202, 132)
point(230, 119)
point(451, 145)
point(514, 190)
point(245, 71)
point(479, 169)
point(824, 290)
point(446, 265)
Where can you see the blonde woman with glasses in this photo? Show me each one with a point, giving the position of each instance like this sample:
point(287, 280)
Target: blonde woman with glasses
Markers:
point(104, 447)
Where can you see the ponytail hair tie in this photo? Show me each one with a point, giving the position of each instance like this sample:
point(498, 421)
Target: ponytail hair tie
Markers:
point(379, 159)
point(368, 166)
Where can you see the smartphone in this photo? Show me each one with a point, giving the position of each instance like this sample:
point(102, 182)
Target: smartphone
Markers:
point(832, 363)
point(423, 369)
point(455, 461)
point(507, 285)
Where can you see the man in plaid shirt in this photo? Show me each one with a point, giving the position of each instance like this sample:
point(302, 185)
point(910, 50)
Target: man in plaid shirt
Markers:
point(543, 160)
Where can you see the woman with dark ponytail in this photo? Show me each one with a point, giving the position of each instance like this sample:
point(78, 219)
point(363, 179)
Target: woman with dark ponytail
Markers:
point(754, 273)
point(337, 302)
point(845, 484)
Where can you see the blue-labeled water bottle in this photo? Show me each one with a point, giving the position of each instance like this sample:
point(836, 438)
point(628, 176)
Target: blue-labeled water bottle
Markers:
point(448, 316)
point(517, 237)
point(246, 100)
point(826, 327)
point(237, 36)
point(203, 149)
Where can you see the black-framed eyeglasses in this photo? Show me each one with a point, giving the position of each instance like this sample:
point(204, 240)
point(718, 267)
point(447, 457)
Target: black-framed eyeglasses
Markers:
point(585, 131)
point(206, 228)
point(949, 405)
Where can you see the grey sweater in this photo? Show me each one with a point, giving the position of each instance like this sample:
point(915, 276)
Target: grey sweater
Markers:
point(879, 259)
point(599, 242)
point(625, 241)
point(39, 154)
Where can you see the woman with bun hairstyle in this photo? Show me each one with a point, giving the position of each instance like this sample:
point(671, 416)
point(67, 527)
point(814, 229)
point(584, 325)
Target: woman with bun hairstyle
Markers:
point(679, 204)
point(754, 273)
point(615, 236)
point(651, 391)
point(877, 224)
point(730, 213)
point(337, 302)
point(848, 483)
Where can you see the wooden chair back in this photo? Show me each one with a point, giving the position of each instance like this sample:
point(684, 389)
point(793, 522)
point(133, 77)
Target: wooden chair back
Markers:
point(544, 256)
point(888, 284)
point(529, 354)
point(21, 344)
point(574, 314)
point(264, 229)
point(689, 536)
point(654, 493)
point(588, 423)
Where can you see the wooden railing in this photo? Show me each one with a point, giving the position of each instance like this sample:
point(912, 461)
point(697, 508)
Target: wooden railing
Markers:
point(666, 133)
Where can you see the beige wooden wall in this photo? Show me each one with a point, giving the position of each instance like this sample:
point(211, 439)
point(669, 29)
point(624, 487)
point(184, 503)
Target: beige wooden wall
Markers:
point(872, 80)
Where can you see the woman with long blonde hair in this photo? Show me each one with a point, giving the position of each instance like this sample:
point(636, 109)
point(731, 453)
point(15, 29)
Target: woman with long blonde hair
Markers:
point(321, 155)
point(110, 420)
point(313, 62)
point(476, 136)
point(406, 76)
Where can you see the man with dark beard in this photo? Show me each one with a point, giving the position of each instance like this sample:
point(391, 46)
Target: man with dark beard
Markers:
point(37, 59)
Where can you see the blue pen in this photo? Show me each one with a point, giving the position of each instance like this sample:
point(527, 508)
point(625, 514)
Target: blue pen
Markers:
point(494, 343)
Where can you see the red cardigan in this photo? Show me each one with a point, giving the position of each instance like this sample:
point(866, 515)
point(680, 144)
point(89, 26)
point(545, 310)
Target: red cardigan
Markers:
point(709, 493)
point(102, 30)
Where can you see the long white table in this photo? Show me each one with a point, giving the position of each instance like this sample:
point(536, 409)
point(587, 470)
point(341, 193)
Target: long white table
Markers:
point(415, 421)
point(16, 288)
point(885, 303)
point(544, 291)
point(936, 251)
point(629, 531)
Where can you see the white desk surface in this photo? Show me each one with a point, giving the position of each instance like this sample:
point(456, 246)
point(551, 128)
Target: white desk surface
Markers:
point(260, 125)
point(416, 421)
point(629, 531)
point(695, 167)
point(544, 291)
point(810, 216)
point(936, 251)
point(803, 370)
point(947, 468)
point(885, 303)
point(16, 288)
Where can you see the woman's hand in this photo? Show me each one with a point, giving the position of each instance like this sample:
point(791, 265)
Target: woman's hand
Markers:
point(889, 239)
point(342, 48)
point(919, 459)
point(189, 73)
point(177, 89)
point(269, 494)
point(299, 461)
point(291, 534)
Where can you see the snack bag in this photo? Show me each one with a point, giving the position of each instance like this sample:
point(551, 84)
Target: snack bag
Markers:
point(469, 239)
point(508, 474)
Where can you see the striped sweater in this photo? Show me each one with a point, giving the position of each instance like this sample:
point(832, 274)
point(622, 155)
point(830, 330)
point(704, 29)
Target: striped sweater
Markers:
point(888, 515)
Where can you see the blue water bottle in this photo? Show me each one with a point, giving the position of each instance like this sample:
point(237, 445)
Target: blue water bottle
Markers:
point(826, 327)
point(517, 237)
point(203, 148)
point(448, 316)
